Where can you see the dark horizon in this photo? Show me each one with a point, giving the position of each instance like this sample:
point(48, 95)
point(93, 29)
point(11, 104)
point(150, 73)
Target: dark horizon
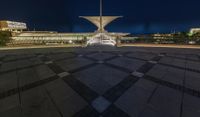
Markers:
point(140, 16)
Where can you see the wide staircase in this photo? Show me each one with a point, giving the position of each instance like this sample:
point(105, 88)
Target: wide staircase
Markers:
point(101, 39)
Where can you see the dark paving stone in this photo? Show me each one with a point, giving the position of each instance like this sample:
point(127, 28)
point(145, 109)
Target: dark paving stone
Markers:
point(14, 68)
point(191, 106)
point(127, 63)
point(17, 57)
point(20, 64)
point(16, 90)
point(67, 100)
point(135, 99)
point(37, 83)
point(88, 94)
point(26, 77)
point(10, 107)
point(149, 112)
point(145, 68)
point(57, 69)
point(111, 58)
point(101, 56)
point(36, 103)
point(193, 65)
point(8, 82)
point(167, 101)
point(169, 74)
point(83, 68)
point(118, 67)
point(157, 58)
point(43, 72)
point(141, 55)
point(102, 80)
point(35, 61)
point(185, 57)
point(192, 80)
point(87, 112)
point(174, 86)
point(61, 56)
point(91, 59)
point(44, 58)
point(75, 64)
point(113, 111)
point(114, 93)
point(158, 71)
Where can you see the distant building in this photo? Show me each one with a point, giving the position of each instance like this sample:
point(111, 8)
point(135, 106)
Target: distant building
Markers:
point(162, 36)
point(12, 26)
point(194, 30)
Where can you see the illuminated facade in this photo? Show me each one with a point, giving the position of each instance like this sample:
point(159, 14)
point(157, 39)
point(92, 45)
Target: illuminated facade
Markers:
point(194, 30)
point(12, 26)
point(36, 37)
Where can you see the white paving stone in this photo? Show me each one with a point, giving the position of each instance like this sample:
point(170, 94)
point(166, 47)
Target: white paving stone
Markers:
point(80, 55)
point(101, 104)
point(64, 74)
point(48, 62)
point(153, 62)
point(161, 55)
point(120, 55)
point(100, 62)
point(138, 74)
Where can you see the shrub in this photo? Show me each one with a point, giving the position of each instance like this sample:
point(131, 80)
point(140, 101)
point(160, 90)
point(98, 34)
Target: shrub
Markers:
point(4, 37)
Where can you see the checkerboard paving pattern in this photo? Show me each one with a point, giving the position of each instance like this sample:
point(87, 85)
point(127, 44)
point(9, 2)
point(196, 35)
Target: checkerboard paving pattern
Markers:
point(99, 83)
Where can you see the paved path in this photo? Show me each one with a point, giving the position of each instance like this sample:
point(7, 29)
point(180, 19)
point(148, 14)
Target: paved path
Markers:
point(100, 82)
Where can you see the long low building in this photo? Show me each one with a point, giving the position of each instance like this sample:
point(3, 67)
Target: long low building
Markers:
point(43, 37)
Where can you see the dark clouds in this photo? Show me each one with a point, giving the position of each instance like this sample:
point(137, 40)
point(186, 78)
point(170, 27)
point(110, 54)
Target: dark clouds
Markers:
point(140, 16)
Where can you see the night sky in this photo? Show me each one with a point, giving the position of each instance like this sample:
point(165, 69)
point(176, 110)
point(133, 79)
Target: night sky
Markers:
point(140, 16)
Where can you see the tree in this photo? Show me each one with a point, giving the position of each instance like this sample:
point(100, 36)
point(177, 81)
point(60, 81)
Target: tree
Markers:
point(196, 38)
point(4, 37)
point(181, 37)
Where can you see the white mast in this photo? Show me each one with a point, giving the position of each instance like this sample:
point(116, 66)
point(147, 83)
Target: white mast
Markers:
point(101, 13)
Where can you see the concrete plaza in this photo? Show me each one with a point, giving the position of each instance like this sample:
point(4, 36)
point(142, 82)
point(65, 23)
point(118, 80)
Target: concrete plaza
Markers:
point(100, 82)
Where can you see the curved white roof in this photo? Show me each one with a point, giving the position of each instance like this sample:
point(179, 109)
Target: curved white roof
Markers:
point(96, 20)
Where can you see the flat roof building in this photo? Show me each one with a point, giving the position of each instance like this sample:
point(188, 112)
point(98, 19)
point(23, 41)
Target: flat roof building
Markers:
point(12, 26)
point(194, 30)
